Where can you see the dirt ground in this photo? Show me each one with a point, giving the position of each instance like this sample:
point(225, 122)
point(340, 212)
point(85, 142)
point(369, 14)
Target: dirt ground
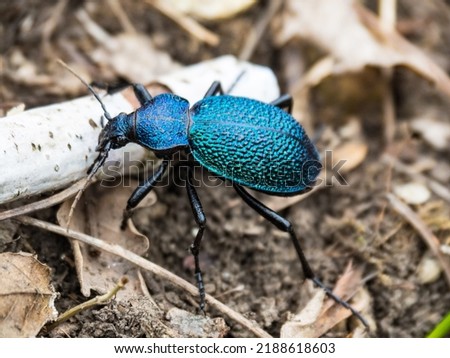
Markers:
point(248, 264)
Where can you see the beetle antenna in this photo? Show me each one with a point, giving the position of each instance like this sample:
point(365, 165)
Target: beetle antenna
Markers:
point(97, 97)
point(91, 172)
point(235, 82)
point(102, 155)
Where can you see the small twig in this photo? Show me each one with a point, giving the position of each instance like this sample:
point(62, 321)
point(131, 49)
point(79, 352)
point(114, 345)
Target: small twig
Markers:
point(430, 239)
point(119, 12)
point(98, 300)
point(93, 29)
point(258, 30)
point(146, 265)
point(44, 203)
point(388, 17)
point(187, 23)
point(56, 16)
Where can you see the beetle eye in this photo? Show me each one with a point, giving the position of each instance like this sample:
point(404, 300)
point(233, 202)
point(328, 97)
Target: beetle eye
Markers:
point(119, 142)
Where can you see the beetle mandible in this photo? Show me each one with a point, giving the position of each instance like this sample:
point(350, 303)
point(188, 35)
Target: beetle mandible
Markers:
point(241, 140)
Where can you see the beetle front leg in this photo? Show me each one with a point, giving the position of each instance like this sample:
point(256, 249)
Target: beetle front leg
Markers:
point(200, 219)
point(284, 225)
point(141, 191)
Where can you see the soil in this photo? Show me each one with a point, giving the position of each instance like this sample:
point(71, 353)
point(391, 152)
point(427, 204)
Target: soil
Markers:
point(249, 264)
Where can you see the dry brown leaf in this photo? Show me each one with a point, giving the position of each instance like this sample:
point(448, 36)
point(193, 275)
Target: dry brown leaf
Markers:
point(26, 295)
point(320, 315)
point(346, 285)
point(353, 153)
point(131, 55)
point(355, 38)
point(300, 325)
point(99, 214)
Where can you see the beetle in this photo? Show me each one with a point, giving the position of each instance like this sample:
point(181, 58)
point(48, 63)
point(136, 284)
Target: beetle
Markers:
point(241, 140)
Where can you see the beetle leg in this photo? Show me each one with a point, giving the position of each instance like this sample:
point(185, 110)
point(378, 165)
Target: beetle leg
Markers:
point(141, 191)
point(284, 225)
point(283, 102)
point(200, 218)
point(139, 90)
point(142, 94)
point(215, 88)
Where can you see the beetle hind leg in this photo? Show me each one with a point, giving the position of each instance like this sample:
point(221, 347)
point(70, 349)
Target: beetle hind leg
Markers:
point(284, 102)
point(200, 219)
point(284, 225)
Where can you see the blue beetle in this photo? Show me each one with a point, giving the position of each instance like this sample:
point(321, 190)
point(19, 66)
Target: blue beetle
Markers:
point(244, 141)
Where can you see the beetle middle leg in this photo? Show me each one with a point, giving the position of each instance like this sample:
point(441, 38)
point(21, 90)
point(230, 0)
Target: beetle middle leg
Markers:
point(200, 219)
point(141, 191)
point(284, 225)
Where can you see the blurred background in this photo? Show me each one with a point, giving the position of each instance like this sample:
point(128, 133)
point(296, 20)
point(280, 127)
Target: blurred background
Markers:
point(369, 80)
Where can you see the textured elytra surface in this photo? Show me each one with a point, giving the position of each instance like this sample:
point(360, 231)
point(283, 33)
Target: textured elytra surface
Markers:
point(254, 144)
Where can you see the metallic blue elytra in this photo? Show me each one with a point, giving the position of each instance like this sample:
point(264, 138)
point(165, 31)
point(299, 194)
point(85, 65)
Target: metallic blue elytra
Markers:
point(254, 144)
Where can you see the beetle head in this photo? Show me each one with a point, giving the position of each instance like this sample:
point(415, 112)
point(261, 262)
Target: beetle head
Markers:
point(112, 136)
point(115, 132)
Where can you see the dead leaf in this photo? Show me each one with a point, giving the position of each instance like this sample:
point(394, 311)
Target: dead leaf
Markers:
point(355, 38)
point(320, 315)
point(131, 55)
point(353, 153)
point(26, 295)
point(99, 214)
point(346, 285)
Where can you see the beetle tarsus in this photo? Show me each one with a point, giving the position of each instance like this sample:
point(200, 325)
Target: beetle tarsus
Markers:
point(340, 301)
point(201, 290)
point(127, 213)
